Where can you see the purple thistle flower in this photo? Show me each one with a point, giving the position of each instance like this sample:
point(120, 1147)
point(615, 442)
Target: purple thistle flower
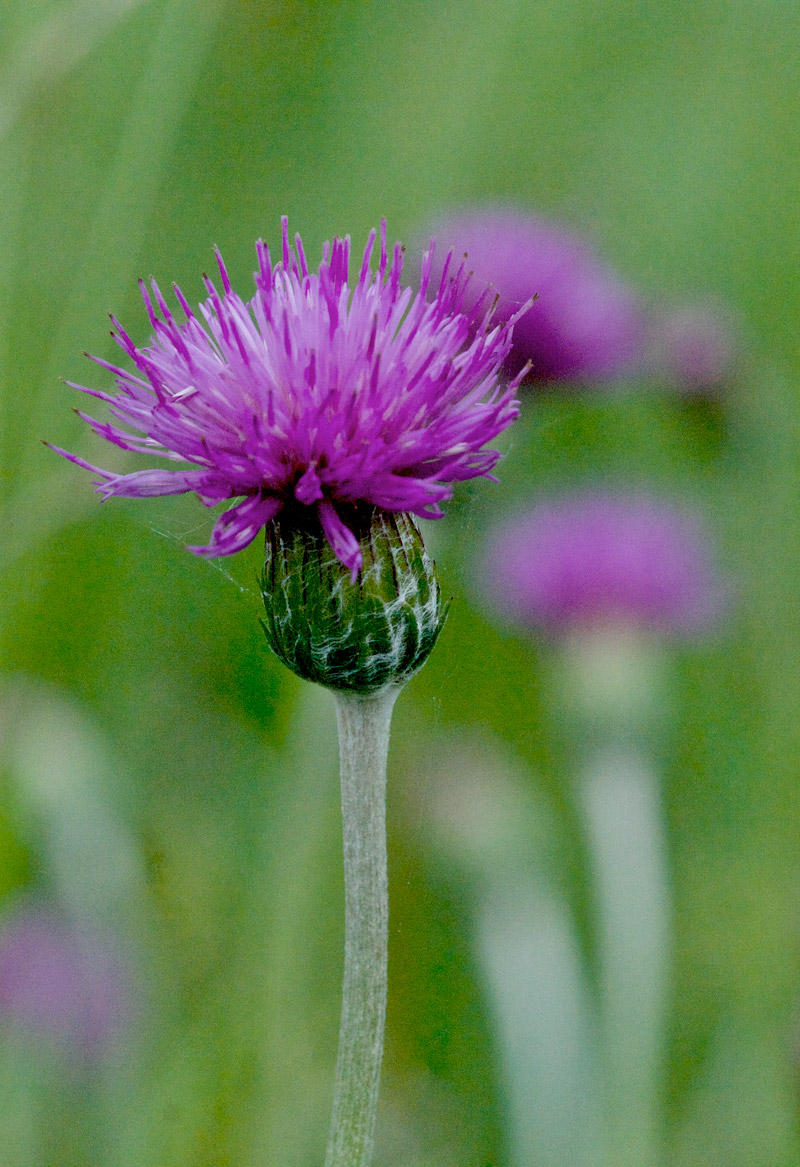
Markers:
point(62, 981)
point(586, 323)
point(313, 395)
point(593, 557)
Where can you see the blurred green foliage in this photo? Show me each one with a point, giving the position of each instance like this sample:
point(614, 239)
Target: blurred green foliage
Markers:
point(134, 137)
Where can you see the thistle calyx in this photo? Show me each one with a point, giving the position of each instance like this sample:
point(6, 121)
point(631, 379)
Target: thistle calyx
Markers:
point(361, 635)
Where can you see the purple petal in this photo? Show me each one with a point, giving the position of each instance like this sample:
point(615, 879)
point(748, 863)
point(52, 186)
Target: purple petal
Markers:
point(342, 540)
point(103, 475)
point(155, 483)
point(308, 489)
point(238, 527)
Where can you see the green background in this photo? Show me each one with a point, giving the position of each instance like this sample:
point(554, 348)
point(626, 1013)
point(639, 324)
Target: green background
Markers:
point(139, 704)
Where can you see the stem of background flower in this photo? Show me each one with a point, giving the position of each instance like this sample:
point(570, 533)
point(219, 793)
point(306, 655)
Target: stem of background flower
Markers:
point(618, 695)
point(363, 722)
point(627, 854)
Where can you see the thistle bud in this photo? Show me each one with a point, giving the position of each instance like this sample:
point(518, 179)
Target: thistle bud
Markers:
point(361, 634)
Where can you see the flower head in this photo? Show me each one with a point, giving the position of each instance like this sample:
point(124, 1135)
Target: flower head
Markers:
point(61, 981)
point(363, 636)
point(586, 323)
point(313, 395)
point(596, 557)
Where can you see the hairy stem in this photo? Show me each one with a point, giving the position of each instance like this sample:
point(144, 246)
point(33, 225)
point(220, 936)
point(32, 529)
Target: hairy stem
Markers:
point(363, 747)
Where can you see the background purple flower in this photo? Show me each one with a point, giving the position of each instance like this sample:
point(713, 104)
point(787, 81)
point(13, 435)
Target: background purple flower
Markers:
point(313, 395)
point(585, 324)
point(62, 981)
point(693, 348)
point(594, 557)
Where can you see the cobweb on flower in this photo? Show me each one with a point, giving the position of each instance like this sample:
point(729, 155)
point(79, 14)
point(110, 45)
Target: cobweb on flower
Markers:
point(185, 534)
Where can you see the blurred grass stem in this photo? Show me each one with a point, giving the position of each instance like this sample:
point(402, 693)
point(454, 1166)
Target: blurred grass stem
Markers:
point(54, 46)
point(363, 722)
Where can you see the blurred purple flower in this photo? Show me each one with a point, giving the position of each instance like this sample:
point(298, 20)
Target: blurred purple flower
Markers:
point(693, 348)
point(595, 557)
point(586, 323)
point(62, 981)
point(313, 395)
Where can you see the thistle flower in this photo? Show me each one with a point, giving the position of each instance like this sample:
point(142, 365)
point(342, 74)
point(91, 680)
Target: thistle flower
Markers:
point(335, 415)
point(586, 323)
point(62, 982)
point(612, 575)
point(313, 398)
point(596, 557)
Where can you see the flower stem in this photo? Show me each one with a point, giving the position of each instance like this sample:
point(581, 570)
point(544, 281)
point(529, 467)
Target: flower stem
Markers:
point(625, 833)
point(363, 721)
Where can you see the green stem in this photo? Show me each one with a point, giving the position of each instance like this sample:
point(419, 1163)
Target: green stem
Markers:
point(363, 748)
point(625, 834)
